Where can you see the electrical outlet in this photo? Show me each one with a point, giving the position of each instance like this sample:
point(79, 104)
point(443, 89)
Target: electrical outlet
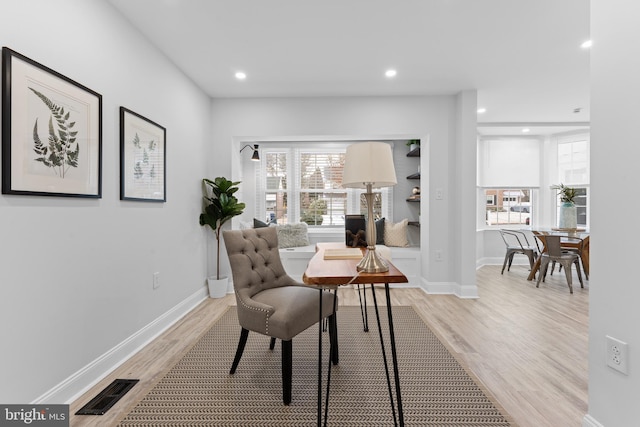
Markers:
point(439, 194)
point(617, 354)
point(438, 255)
point(156, 280)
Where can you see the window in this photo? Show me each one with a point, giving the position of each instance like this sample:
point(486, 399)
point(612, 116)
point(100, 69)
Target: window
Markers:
point(275, 193)
point(573, 171)
point(302, 182)
point(573, 162)
point(515, 173)
point(581, 206)
point(514, 206)
point(323, 201)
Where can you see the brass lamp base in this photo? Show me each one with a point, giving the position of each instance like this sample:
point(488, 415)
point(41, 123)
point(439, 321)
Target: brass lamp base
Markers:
point(371, 262)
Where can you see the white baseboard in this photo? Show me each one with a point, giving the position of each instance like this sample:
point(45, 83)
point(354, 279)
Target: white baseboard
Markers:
point(450, 288)
point(589, 421)
point(466, 291)
point(499, 261)
point(78, 383)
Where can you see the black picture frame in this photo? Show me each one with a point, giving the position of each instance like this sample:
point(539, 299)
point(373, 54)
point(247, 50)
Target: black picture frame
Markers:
point(51, 132)
point(143, 160)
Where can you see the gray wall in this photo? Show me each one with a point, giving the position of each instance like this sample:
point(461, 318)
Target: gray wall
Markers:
point(614, 292)
point(434, 120)
point(76, 274)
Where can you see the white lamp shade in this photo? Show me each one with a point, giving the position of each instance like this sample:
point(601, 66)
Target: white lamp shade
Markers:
point(369, 163)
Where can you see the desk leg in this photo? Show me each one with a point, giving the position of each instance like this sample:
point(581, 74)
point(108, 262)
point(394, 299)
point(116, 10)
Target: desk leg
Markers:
point(394, 356)
point(320, 359)
point(363, 307)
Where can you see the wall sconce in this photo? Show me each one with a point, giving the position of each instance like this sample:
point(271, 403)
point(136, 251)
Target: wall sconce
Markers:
point(256, 154)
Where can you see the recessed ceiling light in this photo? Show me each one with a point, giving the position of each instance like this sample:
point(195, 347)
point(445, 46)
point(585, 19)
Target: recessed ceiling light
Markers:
point(241, 75)
point(390, 73)
point(482, 110)
point(587, 44)
point(525, 130)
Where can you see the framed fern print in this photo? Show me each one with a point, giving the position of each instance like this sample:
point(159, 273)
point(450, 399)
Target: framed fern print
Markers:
point(51, 132)
point(142, 158)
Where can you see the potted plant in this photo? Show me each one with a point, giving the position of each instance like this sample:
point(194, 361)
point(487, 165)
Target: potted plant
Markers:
point(413, 144)
point(219, 205)
point(568, 212)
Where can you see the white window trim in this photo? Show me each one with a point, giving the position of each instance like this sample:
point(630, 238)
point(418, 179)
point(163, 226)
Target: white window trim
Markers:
point(295, 148)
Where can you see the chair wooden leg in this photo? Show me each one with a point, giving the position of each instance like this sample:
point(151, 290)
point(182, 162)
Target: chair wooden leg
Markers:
point(243, 341)
point(287, 369)
point(272, 344)
point(333, 337)
point(579, 273)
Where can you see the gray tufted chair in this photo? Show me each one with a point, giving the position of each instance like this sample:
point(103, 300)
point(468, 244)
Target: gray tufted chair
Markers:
point(269, 301)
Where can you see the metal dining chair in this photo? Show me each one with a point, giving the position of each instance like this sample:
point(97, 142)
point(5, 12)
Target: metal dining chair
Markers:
point(517, 243)
point(555, 253)
point(578, 247)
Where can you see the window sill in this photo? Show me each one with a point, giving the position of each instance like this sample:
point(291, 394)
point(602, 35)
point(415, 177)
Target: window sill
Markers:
point(324, 231)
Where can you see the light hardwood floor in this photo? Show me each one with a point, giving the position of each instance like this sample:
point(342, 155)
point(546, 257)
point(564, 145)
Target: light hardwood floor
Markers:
point(528, 346)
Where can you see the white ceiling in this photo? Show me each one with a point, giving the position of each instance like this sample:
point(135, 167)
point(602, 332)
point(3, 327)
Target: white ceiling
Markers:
point(523, 56)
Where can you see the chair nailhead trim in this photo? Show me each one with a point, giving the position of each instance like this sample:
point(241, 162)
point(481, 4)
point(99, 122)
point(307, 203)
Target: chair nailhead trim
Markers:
point(266, 325)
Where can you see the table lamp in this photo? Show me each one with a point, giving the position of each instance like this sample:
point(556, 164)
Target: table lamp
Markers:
point(369, 165)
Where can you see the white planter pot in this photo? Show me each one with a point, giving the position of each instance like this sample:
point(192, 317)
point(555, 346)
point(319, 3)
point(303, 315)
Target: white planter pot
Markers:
point(568, 216)
point(217, 287)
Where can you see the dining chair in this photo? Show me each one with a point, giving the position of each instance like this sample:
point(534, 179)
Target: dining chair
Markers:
point(555, 253)
point(517, 243)
point(272, 303)
point(579, 246)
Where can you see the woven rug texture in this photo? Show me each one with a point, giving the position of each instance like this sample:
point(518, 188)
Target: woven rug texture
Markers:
point(436, 389)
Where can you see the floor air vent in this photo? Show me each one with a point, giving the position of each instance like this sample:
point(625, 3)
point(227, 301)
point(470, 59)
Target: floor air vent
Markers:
point(107, 397)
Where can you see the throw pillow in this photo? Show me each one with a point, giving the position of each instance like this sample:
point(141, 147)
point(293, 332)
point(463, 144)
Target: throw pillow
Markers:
point(259, 224)
point(245, 225)
point(396, 234)
point(292, 235)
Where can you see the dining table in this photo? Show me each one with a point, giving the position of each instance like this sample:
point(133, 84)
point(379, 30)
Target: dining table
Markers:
point(570, 242)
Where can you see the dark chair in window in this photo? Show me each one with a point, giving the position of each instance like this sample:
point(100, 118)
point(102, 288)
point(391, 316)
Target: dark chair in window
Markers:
point(555, 253)
point(517, 243)
point(269, 301)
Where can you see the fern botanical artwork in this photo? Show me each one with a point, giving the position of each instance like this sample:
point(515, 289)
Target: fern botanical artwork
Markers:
point(142, 158)
point(51, 132)
point(62, 151)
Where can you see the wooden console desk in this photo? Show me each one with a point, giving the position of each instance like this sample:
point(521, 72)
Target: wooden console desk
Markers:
point(330, 274)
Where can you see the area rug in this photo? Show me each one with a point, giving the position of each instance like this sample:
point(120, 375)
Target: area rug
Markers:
point(436, 389)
